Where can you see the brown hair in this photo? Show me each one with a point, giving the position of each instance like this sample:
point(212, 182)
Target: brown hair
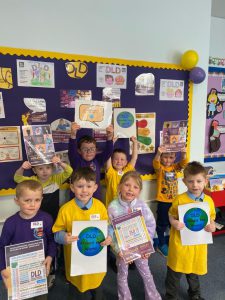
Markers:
point(119, 150)
point(83, 173)
point(132, 174)
point(86, 139)
point(31, 185)
point(194, 168)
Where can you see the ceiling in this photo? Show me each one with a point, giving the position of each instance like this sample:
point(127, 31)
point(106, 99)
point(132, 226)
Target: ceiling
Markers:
point(218, 8)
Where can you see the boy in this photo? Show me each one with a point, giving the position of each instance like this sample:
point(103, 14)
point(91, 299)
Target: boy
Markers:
point(116, 167)
point(19, 229)
point(81, 208)
point(83, 153)
point(188, 260)
point(167, 188)
point(49, 181)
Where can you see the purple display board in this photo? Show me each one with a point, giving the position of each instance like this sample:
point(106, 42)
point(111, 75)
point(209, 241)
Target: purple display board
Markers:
point(14, 103)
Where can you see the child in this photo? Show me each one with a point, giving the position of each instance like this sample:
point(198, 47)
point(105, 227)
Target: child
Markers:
point(116, 167)
point(129, 190)
point(81, 208)
point(188, 260)
point(167, 188)
point(83, 153)
point(49, 181)
point(18, 228)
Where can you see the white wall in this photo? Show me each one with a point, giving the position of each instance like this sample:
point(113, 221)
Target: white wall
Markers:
point(158, 31)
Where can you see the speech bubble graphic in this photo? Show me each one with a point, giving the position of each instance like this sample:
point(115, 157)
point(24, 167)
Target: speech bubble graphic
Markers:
point(35, 104)
point(91, 113)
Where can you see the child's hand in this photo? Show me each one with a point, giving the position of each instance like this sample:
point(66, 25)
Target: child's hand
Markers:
point(69, 239)
point(145, 256)
point(133, 140)
point(47, 263)
point(6, 277)
point(56, 159)
point(120, 254)
point(107, 241)
point(109, 132)
point(177, 225)
point(184, 150)
point(26, 165)
point(74, 128)
point(210, 227)
point(161, 149)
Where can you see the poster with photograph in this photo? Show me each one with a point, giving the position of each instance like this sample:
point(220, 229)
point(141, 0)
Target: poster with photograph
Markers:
point(25, 265)
point(68, 97)
point(87, 255)
point(174, 135)
point(37, 110)
point(32, 73)
point(110, 94)
point(38, 144)
point(124, 120)
point(61, 129)
point(111, 76)
point(145, 85)
point(10, 144)
point(93, 114)
point(195, 217)
point(171, 90)
point(132, 236)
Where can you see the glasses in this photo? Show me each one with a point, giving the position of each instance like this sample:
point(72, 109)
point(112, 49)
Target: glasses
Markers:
point(87, 150)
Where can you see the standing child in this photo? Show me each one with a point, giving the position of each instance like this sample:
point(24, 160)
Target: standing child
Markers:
point(82, 208)
point(167, 188)
point(19, 229)
point(84, 153)
point(188, 260)
point(116, 167)
point(129, 190)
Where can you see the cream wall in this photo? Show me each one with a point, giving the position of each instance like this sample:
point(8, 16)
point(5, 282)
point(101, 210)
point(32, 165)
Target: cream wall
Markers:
point(158, 31)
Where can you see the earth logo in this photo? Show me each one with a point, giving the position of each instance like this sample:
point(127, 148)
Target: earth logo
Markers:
point(89, 241)
point(125, 119)
point(195, 219)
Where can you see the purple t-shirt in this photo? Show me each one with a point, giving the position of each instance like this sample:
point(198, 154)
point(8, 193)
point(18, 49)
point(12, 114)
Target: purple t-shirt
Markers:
point(18, 230)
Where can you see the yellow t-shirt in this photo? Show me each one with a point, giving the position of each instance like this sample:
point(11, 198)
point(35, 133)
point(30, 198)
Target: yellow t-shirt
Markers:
point(112, 178)
point(187, 259)
point(167, 184)
point(72, 212)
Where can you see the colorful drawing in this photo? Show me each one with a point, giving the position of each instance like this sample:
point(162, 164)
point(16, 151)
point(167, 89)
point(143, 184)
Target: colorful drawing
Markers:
point(6, 78)
point(76, 69)
point(111, 76)
point(171, 90)
point(195, 219)
point(89, 241)
point(145, 85)
point(174, 135)
point(124, 122)
point(111, 95)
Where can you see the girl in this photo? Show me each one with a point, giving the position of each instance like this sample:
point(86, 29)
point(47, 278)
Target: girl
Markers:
point(129, 190)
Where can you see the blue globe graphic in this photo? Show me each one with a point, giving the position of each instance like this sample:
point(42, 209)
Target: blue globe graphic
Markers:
point(195, 219)
point(125, 119)
point(89, 241)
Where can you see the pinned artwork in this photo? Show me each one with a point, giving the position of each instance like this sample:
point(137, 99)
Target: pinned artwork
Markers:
point(6, 78)
point(37, 112)
point(171, 90)
point(111, 76)
point(76, 69)
point(124, 122)
point(145, 85)
point(61, 129)
point(10, 144)
point(112, 95)
point(2, 110)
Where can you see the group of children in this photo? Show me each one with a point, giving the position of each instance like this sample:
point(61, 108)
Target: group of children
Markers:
point(38, 200)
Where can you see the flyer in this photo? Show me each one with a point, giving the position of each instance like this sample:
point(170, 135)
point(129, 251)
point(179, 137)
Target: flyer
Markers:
point(87, 255)
point(171, 90)
point(174, 135)
point(132, 236)
point(38, 144)
point(124, 121)
point(10, 144)
point(111, 76)
point(28, 275)
point(195, 217)
point(61, 129)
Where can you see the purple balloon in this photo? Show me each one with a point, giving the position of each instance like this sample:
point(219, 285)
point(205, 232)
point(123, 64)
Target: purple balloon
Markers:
point(197, 75)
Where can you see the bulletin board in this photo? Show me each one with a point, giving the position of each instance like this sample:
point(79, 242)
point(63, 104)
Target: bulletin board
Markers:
point(15, 108)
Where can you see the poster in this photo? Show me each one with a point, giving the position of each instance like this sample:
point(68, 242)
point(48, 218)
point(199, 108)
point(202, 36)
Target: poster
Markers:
point(195, 217)
point(61, 130)
point(6, 81)
point(10, 144)
point(112, 95)
point(171, 90)
point(132, 236)
point(87, 255)
point(32, 73)
point(28, 274)
point(174, 135)
point(68, 97)
point(124, 122)
point(2, 110)
point(93, 114)
point(111, 76)
point(37, 110)
point(38, 144)
point(145, 84)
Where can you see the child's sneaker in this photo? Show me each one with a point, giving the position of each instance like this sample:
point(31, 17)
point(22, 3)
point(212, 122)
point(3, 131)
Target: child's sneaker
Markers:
point(163, 250)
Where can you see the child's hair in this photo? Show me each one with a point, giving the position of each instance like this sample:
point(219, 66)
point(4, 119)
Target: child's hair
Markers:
point(194, 168)
point(86, 139)
point(31, 185)
point(83, 173)
point(132, 174)
point(119, 150)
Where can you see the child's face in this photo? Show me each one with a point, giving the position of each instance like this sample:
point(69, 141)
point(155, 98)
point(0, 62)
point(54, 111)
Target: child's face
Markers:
point(88, 151)
point(129, 189)
point(167, 159)
point(119, 161)
point(195, 183)
point(83, 189)
point(29, 203)
point(43, 172)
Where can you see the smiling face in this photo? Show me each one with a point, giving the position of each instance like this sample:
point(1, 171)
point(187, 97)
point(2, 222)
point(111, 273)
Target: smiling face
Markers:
point(195, 183)
point(119, 161)
point(83, 189)
point(87, 151)
point(129, 189)
point(168, 159)
point(43, 172)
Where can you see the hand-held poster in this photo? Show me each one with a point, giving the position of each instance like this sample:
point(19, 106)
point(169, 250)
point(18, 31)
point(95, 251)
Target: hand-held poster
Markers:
point(28, 275)
point(195, 217)
point(132, 236)
point(124, 122)
point(174, 135)
point(87, 255)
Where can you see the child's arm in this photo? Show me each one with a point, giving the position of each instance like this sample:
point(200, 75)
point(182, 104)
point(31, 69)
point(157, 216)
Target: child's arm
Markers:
point(64, 238)
point(73, 154)
point(19, 172)
point(109, 132)
point(107, 152)
point(160, 150)
point(67, 171)
point(175, 223)
point(211, 227)
point(134, 155)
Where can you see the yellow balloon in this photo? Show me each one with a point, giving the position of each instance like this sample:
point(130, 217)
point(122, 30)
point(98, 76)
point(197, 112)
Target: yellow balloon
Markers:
point(189, 59)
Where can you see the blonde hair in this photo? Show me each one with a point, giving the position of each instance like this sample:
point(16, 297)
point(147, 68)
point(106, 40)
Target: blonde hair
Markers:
point(31, 185)
point(134, 175)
